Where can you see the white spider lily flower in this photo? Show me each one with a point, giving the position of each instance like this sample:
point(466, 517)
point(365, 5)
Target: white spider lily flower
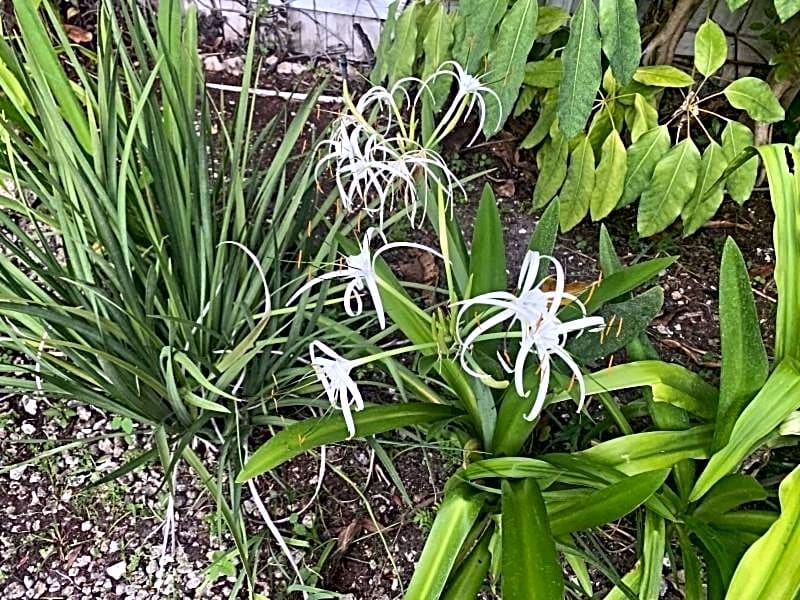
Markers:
point(360, 270)
point(333, 372)
point(541, 330)
point(368, 166)
point(470, 88)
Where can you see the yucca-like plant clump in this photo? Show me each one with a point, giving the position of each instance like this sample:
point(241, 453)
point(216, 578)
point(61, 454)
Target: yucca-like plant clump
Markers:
point(146, 238)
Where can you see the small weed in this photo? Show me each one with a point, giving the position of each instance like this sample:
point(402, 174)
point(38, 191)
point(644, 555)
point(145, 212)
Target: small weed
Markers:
point(423, 519)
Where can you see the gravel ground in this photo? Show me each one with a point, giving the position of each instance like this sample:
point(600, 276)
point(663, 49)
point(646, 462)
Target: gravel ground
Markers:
point(59, 540)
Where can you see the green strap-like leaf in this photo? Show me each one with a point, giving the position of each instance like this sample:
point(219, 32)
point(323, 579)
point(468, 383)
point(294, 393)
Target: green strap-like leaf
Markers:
point(611, 172)
point(776, 400)
point(607, 504)
point(531, 569)
point(578, 186)
point(582, 71)
point(710, 48)
point(769, 568)
point(729, 493)
point(744, 359)
point(506, 61)
point(312, 433)
point(454, 520)
point(642, 452)
point(673, 182)
point(487, 264)
point(756, 98)
point(622, 43)
point(652, 559)
point(783, 173)
point(469, 578)
point(668, 381)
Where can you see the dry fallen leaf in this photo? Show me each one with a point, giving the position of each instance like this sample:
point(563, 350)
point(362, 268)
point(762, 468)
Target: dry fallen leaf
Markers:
point(78, 34)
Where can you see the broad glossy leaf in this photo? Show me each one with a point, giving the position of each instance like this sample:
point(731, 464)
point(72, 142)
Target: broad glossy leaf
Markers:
point(769, 568)
point(777, 399)
point(736, 4)
point(645, 117)
point(673, 182)
point(786, 9)
point(403, 49)
point(582, 72)
point(642, 158)
point(526, 97)
point(475, 30)
point(781, 163)
point(552, 161)
point(622, 44)
point(611, 172)
point(708, 192)
point(578, 185)
point(437, 44)
point(544, 123)
point(710, 48)
point(383, 52)
point(315, 432)
point(740, 183)
point(454, 520)
point(550, 19)
point(650, 450)
point(755, 97)
point(531, 569)
point(544, 73)
point(505, 68)
point(607, 504)
point(487, 264)
point(745, 366)
point(663, 76)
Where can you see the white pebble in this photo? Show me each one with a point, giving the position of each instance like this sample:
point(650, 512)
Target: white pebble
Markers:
point(117, 570)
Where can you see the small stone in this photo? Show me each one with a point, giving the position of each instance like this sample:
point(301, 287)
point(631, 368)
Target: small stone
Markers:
point(28, 429)
point(29, 405)
point(289, 68)
point(117, 570)
point(676, 295)
point(16, 473)
point(213, 64)
point(86, 526)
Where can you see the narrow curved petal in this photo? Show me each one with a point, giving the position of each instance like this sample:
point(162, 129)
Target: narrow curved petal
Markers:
point(544, 384)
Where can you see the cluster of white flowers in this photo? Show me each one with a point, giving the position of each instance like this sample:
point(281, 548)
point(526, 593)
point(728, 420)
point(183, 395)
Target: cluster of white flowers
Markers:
point(380, 166)
point(376, 165)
